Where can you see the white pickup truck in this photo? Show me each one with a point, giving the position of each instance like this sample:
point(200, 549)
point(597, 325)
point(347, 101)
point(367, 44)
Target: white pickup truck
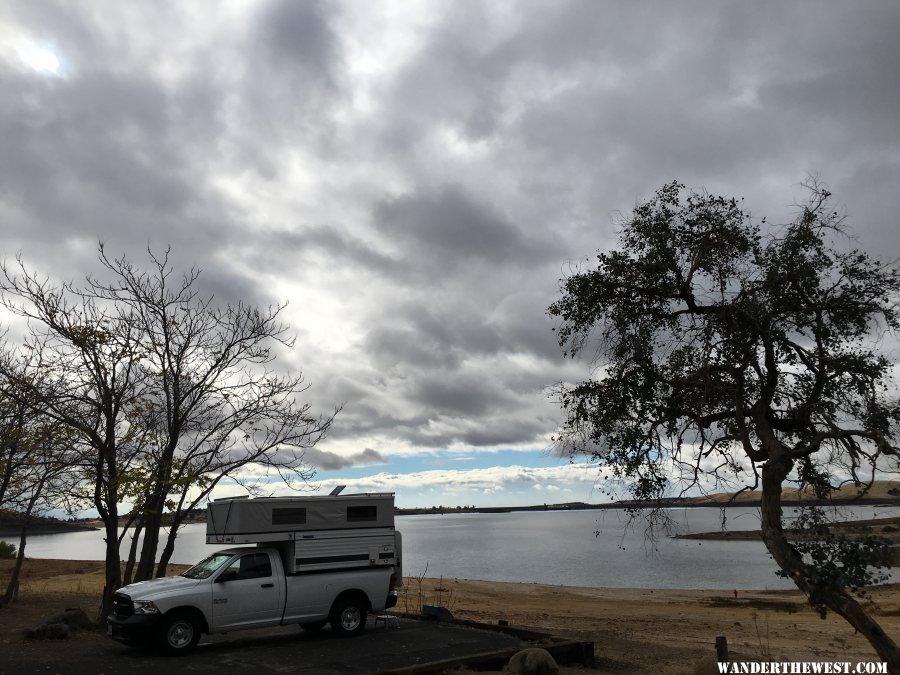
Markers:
point(242, 588)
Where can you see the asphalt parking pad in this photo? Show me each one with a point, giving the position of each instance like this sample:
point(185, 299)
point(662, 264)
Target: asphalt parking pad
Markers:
point(270, 650)
point(413, 643)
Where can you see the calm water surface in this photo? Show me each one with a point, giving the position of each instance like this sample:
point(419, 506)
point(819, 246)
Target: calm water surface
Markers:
point(541, 547)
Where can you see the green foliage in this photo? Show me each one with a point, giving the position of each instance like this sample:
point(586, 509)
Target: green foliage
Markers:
point(713, 342)
point(838, 560)
point(718, 346)
point(7, 550)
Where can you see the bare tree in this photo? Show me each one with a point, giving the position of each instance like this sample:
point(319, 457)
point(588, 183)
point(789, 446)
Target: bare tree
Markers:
point(168, 393)
point(35, 469)
point(721, 353)
point(79, 366)
point(211, 398)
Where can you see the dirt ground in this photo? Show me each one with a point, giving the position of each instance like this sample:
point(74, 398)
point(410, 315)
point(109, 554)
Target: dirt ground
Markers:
point(634, 630)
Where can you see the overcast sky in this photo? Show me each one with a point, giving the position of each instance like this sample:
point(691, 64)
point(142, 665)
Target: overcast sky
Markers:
point(415, 177)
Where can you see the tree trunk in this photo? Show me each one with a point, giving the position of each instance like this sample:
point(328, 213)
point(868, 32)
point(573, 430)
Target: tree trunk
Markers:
point(774, 472)
point(132, 551)
point(12, 588)
point(113, 570)
point(152, 517)
point(169, 548)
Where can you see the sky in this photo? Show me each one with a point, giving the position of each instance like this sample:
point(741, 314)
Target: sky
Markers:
point(414, 178)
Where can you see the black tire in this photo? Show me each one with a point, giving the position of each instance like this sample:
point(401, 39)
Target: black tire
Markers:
point(313, 626)
point(348, 616)
point(178, 633)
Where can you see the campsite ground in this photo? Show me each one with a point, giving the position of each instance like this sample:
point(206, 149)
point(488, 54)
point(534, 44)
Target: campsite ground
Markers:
point(634, 630)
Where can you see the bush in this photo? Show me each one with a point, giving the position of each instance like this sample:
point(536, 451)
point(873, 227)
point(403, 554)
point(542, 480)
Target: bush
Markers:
point(7, 550)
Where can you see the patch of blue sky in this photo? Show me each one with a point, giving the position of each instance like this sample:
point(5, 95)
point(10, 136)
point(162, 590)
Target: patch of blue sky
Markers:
point(450, 460)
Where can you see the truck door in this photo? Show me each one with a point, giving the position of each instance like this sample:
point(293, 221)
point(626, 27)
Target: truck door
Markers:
point(247, 594)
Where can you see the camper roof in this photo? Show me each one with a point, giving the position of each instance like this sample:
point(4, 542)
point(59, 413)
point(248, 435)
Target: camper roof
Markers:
point(360, 495)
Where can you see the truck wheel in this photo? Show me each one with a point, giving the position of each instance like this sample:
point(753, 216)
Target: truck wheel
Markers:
point(313, 626)
point(348, 617)
point(179, 633)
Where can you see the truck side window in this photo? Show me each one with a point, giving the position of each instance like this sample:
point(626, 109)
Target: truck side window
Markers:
point(250, 566)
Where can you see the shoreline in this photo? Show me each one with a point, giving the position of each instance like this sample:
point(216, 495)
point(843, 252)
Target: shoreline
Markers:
point(66, 568)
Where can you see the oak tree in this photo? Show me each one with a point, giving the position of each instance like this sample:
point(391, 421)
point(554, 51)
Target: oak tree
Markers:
point(727, 350)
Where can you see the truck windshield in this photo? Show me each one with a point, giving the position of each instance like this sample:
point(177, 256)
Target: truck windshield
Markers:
point(207, 566)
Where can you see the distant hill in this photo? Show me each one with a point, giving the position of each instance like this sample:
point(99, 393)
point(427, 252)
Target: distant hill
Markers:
point(11, 525)
point(881, 492)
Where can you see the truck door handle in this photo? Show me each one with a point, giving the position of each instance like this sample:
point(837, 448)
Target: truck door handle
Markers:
point(267, 585)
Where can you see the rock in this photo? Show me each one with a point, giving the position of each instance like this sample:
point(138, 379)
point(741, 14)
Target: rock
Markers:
point(47, 631)
point(533, 661)
point(436, 613)
point(73, 617)
point(58, 627)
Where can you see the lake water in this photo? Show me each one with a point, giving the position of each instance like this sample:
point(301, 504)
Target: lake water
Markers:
point(546, 547)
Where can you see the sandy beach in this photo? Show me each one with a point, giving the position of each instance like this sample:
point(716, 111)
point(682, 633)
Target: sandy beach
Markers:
point(634, 630)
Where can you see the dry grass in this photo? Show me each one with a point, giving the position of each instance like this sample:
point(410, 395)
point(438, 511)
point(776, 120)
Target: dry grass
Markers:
point(63, 576)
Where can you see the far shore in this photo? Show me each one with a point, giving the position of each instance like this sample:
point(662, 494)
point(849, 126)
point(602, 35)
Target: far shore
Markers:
point(885, 528)
point(882, 494)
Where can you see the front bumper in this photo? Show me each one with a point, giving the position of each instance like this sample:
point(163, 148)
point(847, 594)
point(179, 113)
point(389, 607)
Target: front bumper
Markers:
point(134, 630)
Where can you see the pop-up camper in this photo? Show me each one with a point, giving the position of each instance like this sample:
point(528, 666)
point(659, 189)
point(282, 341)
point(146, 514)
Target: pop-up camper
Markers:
point(314, 533)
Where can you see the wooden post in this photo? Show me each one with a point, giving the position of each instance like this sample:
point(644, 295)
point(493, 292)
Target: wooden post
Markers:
point(721, 649)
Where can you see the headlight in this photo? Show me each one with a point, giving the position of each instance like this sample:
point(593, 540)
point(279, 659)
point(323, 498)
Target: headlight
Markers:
point(145, 607)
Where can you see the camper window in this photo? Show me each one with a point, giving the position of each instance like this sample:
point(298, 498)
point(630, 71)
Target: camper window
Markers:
point(292, 516)
point(357, 514)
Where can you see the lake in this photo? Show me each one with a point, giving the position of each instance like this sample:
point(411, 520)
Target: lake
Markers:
point(545, 547)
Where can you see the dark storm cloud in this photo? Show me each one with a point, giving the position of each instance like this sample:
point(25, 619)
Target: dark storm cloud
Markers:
point(448, 228)
point(300, 243)
point(460, 395)
point(483, 432)
point(415, 186)
point(329, 461)
point(297, 35)
point(424, 335)
point(287, 83)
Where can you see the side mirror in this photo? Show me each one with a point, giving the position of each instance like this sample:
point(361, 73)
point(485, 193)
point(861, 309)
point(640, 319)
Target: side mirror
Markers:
point(227, 575)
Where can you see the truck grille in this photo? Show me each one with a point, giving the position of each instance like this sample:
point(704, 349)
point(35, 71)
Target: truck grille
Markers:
point(122, 606)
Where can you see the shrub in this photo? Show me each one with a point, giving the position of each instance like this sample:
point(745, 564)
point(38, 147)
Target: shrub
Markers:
point(7, 550)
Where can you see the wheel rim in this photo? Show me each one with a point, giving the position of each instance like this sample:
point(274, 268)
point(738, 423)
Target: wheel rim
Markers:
point(350, 618)
point(180, 634)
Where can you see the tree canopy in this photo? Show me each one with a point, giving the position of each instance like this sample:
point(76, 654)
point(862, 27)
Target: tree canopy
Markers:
point(727, 350)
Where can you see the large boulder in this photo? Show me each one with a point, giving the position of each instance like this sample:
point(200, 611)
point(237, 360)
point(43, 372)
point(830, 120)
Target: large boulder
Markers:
point(532, 661)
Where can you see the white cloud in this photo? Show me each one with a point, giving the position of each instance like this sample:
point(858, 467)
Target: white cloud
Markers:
point(506, 484)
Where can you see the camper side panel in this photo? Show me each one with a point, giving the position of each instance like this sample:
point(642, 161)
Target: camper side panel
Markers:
point(331, 550)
